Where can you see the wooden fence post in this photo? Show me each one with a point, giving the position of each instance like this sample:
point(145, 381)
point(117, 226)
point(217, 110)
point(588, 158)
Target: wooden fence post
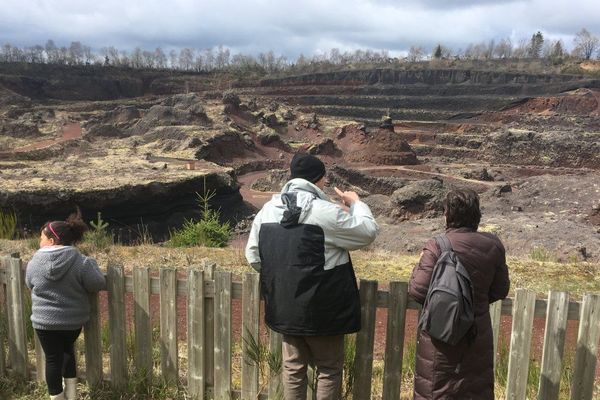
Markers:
point(394, 342)
point(554, 343)
point(209, 332)
point(520, 344)
point(250, 334)
point(275, 385)
point(143, 324)
point(195, 334)
point(495, 315)
point(363, 361)
point(582, 383)
point(93, 345)
point(169, 362)
point(3, 316)
point(17, 337)
point(117, 325)
point(222, 336)
point(40, 361)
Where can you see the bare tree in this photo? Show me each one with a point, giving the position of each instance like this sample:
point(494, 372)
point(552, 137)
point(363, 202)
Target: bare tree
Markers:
point(199, 64)
point(51, 51)
point(503, 49)
point(186, 58)
point(34, 54)
point(222, 57)
point(586, 44)
point(75, 53)
point(415, 54)
point(209, 59)
point(521, 50)
point(160, 58)
point(173, 59)
point(63, 55)
point(88, 55)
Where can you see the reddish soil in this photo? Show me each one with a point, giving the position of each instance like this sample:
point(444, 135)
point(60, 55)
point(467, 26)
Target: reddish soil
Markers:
point(71, 131)
point(579, 102)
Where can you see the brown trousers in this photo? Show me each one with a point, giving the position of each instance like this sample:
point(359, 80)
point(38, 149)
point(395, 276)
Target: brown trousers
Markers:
point(325, 353)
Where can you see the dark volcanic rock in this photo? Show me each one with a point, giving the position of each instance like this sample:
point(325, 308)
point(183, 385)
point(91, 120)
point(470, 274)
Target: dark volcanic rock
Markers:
point(125, 207)
point(564, 149)
point(182, 109)
point(421, 198)
point(223, 147)
point(19, 130)
point(231, 98)
point(326, 147)
point(103, 131)
point(383, 147)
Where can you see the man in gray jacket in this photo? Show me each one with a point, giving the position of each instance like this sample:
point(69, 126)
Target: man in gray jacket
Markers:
point(299, 243)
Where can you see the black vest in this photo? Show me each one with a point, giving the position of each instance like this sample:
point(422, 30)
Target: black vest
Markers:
point(301, 298)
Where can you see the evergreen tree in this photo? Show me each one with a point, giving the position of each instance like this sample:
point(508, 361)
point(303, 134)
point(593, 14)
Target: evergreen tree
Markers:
point(535, 46)
point(438, 52)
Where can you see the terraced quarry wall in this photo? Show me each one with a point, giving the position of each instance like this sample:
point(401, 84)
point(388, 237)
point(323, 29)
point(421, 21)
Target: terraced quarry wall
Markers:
point(494, 116)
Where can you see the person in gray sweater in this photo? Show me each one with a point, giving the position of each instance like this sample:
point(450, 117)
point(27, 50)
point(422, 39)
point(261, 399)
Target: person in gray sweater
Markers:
point(60, 279)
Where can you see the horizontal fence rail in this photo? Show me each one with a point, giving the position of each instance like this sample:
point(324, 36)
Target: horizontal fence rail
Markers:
point(209, 295)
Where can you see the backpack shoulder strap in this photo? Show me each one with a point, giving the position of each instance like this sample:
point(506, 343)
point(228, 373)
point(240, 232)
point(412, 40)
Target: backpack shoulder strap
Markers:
point(443, 243)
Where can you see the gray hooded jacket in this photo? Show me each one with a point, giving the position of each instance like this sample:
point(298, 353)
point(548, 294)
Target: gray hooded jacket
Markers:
point(343, 230)
point(60, 279)
point(299, 242)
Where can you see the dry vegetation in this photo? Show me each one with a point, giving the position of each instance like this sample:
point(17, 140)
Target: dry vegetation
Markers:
point(577, 278)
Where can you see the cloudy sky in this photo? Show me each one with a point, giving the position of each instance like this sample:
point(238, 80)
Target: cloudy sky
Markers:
point(291, 27)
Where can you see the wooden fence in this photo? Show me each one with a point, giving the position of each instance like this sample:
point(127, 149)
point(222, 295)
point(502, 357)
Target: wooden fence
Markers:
point(209, 294)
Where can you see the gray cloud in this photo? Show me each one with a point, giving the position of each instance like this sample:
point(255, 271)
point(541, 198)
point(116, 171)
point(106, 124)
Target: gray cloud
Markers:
point(291, 27)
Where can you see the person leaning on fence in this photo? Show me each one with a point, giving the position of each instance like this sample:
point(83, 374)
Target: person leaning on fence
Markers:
point(464, 371)
point(299, 243)
point(60, 279)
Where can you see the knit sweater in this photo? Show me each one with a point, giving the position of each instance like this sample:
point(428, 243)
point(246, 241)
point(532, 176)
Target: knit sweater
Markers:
point(60, 279)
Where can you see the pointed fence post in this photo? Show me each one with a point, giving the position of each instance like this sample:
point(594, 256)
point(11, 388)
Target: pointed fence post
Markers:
point(365, 339)
point(17, 336)
point(195, 334)
point(520, 344)
point(169, 361)
point(117, 325)
point(394, 342)
point(93, 345)
point(554, 344)
point(582, 383)
point(250, 334)
point(275, 384)
point(143, 325)
point(222, 335)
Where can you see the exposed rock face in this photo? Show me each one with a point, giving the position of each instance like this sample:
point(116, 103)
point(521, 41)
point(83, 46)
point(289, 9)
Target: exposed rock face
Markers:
point(522, 147)
point(372, 184)
point(176, 110)
point(39, 81)
point(272, 181)
point(429, 77)
point(160, 199)
point(326, 147)
point(232, 99)
point(19, 130)
point(103, 131)
point(8, 97)
point(222, 148)
point(381, 146)
point(421, 198)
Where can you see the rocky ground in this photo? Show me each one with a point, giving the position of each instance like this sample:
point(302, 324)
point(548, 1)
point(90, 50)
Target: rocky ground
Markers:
point(529, 145)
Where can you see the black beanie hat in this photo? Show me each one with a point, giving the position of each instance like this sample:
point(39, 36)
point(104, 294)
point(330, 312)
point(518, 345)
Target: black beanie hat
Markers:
point(307, 167)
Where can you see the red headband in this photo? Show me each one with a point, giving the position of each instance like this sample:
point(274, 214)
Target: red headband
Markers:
point(52, 230)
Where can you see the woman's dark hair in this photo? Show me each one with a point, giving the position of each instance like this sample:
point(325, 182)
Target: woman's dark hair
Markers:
point(462, 209)
point(66, 232)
